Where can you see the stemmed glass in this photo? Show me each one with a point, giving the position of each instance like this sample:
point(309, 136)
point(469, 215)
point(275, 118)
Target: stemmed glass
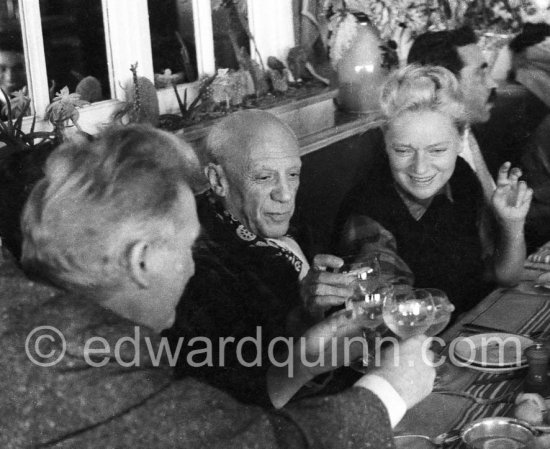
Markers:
point(419, 311)
point(368, 295)
point(363, 301)
point(443, 309)
point(409, 311)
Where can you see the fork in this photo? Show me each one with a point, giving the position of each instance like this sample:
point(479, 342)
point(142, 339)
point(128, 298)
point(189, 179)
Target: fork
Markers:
point(481, 401)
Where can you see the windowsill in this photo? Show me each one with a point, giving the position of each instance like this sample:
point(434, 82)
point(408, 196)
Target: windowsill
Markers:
point(320, 104)
point(340, 126)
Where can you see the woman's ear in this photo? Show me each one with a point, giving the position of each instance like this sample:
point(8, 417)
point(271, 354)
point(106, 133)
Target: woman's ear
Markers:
point(139, 263)
point(217, 179)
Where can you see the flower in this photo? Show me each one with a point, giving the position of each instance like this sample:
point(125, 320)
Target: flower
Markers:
point(64, 107)
point(344, 27)
point(19, 103)
point(536, 11)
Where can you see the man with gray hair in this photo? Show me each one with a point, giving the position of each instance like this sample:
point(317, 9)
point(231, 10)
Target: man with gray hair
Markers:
point(112, 223)
point(253, 280)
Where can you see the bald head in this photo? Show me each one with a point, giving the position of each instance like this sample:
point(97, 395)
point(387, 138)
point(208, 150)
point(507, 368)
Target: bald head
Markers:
point(232, 139)
point(254, 169)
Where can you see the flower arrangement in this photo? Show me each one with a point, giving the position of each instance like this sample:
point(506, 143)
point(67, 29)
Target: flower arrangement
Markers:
point(401, 20)
point(396, 20)
point(496, 16)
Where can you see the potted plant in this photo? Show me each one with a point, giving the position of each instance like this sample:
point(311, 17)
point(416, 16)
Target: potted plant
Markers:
point(22, 157)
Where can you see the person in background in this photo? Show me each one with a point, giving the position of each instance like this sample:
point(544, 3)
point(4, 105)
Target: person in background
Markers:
point(457, 51)
point(536, 166)
point(531, 65)
point(12, 64)
point(112, 224)
point(530, 49)
point(426, 206)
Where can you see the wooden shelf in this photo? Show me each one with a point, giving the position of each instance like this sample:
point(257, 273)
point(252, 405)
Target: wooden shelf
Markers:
point(346, 125)
point(307, 115)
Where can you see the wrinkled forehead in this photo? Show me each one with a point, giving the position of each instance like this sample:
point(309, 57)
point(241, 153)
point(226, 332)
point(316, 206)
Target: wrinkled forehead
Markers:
point(270, 142)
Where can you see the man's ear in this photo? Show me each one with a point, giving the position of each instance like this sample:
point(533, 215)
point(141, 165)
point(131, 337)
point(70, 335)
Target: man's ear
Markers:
point(139, 263)
point(217, 179)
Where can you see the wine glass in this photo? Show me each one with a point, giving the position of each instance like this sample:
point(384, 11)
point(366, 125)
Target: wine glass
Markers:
point(443, 308)
point(408, 312)
point(365, 302)
point(366, 307)
point(365, 270)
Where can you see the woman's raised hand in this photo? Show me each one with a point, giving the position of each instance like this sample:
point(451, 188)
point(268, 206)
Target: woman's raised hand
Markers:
point(512, 197)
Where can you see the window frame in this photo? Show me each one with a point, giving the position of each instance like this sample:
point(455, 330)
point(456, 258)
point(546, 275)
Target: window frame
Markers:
point(128, 41)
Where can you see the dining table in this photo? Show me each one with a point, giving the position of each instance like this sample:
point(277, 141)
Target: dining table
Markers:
point(523, 309)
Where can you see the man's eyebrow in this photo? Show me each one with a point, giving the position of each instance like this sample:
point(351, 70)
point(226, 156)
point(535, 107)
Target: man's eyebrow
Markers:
point(403, 145)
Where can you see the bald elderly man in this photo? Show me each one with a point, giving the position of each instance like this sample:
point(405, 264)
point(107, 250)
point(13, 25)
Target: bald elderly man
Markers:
point(112, 223)
point(252, 280)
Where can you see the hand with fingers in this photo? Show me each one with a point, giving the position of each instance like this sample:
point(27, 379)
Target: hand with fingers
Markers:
point(323, 287)
point(408, 367)
point(512, 197)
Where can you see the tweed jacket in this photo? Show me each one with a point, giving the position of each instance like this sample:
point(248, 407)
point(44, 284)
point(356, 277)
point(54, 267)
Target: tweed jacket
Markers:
point(127, 397)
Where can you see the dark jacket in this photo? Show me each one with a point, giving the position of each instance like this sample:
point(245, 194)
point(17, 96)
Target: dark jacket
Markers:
point(239, 290)
point(443, 249)
point(75, 405)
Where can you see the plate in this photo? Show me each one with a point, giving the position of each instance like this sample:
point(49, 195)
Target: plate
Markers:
point(496, 350)
point(484, 369)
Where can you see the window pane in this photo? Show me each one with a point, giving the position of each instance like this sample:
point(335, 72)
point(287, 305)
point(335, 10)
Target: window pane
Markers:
point(229, 21)
point(74, 44)
point(172, 41)
point(12, 60)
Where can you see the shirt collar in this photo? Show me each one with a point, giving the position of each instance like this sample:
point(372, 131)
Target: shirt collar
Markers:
point(417, 208)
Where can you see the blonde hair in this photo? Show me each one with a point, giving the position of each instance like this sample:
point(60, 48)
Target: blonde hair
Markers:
point(423, 88)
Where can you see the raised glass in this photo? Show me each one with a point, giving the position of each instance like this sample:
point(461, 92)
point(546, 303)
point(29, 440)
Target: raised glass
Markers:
point(442, 311)
point(408, 312)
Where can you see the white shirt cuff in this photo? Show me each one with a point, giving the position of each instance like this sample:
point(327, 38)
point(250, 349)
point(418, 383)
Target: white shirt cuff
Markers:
point(395, 405)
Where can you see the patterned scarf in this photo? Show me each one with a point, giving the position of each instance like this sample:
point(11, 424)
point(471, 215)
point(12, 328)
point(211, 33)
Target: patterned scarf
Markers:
point(245, 236)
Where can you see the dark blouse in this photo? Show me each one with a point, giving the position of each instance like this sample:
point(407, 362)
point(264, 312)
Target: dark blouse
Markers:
point(443, 248)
